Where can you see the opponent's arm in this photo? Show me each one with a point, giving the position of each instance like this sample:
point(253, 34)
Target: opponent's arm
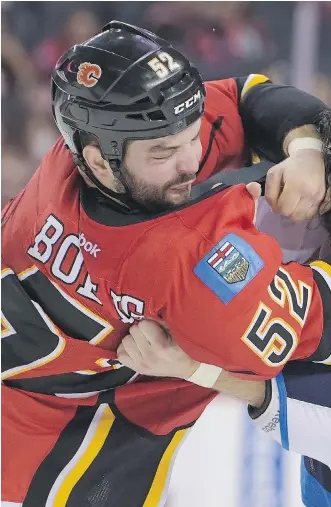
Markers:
point(281, 124)
point(273, 115)
point(277, 123)
point(294, 408)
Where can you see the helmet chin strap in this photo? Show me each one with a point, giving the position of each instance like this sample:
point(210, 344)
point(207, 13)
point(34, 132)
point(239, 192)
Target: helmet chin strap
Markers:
point(115, 166)
point(126, 201)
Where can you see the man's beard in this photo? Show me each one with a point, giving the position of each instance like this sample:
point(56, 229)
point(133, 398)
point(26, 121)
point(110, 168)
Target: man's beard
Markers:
point(155, 198)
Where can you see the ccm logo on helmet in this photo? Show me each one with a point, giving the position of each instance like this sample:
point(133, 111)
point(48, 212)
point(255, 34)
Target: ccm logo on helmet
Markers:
point(88, 74)
point(188, 103)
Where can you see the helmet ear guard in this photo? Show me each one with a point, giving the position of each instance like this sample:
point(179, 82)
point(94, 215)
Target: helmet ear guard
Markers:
point(80, 161)
point(128, 204)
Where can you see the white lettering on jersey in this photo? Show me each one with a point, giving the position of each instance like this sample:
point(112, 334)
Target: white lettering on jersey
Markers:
point(122, 304)
point(46, 239)
point(89, 247)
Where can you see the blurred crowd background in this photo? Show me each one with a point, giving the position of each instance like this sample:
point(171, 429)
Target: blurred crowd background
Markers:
point(288, 41)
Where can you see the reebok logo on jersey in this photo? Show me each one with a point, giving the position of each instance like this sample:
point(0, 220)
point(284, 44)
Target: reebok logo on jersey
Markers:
point(271, 426)
point(89, 247)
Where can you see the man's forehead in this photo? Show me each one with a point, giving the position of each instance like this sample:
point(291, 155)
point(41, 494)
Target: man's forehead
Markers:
point(171, 140)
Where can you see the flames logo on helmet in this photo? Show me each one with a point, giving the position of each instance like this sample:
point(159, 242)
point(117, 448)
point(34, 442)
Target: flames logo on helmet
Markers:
point(88, 74)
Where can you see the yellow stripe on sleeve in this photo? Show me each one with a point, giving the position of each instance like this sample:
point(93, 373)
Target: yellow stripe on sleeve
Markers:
point(251, 81)
point(323, 265)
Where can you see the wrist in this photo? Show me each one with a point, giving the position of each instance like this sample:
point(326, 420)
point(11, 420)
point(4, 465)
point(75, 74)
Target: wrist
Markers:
point(268, 416)
point(206, 375)
point(252, 392)
point(259, 405)
point(305, 131)
point(301, 144)
point(190, 369)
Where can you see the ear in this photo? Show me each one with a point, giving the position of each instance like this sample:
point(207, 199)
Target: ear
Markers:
point(94, 160)
point(101, 168)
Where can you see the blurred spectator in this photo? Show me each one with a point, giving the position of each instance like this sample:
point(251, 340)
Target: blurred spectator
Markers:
point(247, 35)
point(28, 129)
point(17, 73)
point(279, 72)
point(322, 87)
point(214, 32)
point(80, 26)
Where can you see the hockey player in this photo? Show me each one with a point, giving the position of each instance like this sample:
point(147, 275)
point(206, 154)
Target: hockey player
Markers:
point(105, 233)
point(294, 408)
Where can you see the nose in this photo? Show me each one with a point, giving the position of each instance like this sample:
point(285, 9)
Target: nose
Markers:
point(188, 160)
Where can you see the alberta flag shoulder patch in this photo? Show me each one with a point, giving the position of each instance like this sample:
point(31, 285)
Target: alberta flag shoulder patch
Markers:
point(229, 267)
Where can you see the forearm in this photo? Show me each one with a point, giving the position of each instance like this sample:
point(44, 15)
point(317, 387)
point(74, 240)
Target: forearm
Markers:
point(273, 114)
point(297, 410)
point(294, 408)
point(251, 392)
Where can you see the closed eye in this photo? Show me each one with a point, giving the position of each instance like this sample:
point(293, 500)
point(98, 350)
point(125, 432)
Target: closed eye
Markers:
point(173, 149)
point(166, 157)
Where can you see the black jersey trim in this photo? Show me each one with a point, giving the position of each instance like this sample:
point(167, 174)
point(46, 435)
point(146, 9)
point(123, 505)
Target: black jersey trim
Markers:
point(323, 350)
point(215, 126)
point(101, 209)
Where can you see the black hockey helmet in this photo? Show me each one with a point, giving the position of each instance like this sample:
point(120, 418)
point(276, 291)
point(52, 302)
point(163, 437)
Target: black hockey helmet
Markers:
point(124, 83)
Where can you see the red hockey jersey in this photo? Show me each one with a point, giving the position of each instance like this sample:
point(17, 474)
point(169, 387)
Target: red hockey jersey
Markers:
point(77, 274)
